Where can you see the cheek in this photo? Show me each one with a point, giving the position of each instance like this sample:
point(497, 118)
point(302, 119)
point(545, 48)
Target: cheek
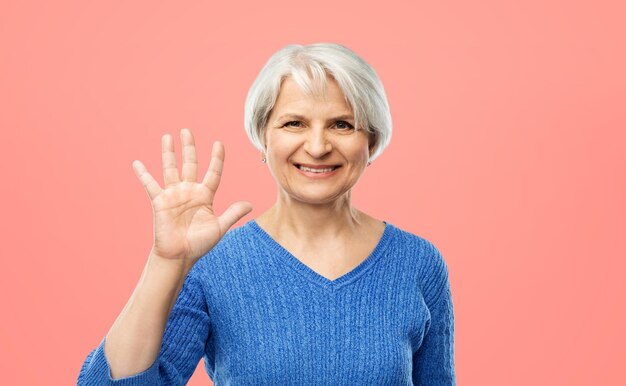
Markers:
point(361, 152)
point(281, 146)
point(359, 147)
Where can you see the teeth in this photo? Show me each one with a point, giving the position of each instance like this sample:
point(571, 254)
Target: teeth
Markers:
point(316, 170)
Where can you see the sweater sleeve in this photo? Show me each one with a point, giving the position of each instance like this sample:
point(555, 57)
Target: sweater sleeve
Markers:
point(184, 339)
point(433, 362)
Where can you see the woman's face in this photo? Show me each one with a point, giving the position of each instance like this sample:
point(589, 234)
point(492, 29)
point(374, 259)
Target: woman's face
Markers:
point(313, 150)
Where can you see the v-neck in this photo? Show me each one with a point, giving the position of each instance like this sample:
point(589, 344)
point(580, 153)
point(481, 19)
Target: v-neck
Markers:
point(284, 256)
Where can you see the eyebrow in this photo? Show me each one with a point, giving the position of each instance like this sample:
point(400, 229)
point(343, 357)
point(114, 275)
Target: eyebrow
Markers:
point(300, 117)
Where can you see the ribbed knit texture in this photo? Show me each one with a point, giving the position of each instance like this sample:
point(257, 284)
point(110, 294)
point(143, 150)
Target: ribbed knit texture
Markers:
point(260, 316)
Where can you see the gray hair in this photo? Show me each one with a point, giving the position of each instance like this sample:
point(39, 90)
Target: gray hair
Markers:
point(309, 67)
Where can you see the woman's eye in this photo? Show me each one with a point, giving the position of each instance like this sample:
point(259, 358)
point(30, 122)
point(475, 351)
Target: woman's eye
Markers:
point(344, 125)
point(292, 123)
point(341, 125)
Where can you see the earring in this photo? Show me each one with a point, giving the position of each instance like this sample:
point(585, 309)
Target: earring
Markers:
point(264, 160)
point(369, 163)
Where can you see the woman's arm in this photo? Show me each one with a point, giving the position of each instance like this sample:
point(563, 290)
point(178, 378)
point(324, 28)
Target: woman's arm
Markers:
point(137, 350)
point(134, 340)
point(433, 362)
point(186, 227)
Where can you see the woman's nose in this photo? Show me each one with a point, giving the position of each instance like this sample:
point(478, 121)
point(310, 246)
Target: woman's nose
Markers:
point(317, 143)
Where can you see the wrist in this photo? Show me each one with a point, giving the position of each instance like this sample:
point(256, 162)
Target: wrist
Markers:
point(168, 269)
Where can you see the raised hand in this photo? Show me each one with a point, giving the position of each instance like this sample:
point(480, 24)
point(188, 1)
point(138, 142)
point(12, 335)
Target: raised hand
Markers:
point(185, 224)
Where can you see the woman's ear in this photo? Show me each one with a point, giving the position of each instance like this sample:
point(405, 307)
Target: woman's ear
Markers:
point(371, 140)
point(263, 136)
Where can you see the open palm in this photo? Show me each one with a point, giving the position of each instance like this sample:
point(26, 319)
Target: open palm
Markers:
point(185, 224)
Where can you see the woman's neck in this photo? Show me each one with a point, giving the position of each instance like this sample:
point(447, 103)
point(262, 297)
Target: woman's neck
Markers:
point(290, 218)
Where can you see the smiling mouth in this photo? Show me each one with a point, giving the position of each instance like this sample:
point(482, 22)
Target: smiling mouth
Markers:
point(317, 169)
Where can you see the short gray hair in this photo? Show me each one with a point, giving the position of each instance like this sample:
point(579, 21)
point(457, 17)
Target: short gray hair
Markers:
point(309, 67)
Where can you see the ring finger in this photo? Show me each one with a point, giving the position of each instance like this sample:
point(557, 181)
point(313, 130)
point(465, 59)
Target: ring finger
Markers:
point(170, 171)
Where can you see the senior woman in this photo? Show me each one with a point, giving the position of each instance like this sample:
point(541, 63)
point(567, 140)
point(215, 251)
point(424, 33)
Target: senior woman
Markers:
point(313, 290)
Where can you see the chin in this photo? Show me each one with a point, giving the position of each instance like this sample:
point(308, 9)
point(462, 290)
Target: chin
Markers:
point(321, 199)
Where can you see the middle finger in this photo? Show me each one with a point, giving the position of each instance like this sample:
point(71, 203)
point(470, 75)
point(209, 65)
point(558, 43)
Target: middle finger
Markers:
point(190, 161)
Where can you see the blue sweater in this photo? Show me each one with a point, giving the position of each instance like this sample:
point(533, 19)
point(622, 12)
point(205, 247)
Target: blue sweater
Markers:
point(259, 316)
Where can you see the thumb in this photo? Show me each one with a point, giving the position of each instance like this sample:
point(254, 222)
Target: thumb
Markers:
point(233, 213)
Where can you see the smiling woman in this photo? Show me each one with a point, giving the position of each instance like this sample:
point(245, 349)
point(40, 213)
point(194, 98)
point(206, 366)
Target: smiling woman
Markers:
point(319, 157)
point(313, 290)
point(311, 67)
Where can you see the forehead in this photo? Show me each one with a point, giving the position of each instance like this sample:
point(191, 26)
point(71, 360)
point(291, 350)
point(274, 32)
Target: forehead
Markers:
point(291, 95)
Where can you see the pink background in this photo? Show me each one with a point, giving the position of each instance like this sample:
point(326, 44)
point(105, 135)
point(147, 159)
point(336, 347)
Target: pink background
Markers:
point(507, 153)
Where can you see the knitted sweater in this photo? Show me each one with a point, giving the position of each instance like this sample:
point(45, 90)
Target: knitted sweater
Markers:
point(259, 316)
